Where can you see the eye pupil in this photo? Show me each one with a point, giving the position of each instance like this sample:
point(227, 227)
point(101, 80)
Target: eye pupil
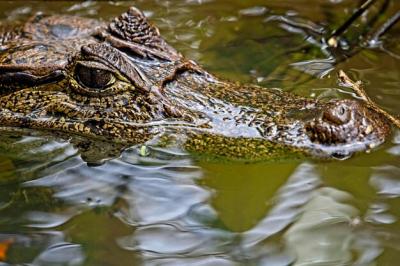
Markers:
point(342, 110)
point(93, 77)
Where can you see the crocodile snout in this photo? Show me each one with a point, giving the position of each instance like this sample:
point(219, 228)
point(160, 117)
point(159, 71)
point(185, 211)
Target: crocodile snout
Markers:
point(346, 122)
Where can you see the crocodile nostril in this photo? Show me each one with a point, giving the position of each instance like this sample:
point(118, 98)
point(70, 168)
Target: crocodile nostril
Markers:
point(339, 115)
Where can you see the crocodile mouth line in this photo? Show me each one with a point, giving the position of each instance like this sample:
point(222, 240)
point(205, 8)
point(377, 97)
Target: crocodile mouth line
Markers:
point(67, 120)
point(104, 129)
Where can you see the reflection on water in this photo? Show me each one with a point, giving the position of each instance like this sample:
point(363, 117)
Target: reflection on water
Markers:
point(323, 233)
point(165, 208)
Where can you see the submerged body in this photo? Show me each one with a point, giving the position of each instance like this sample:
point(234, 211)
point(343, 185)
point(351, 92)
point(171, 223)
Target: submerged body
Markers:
point(121, 81)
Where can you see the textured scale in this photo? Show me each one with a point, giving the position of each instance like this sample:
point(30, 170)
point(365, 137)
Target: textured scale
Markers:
point(8, 33)
point(153, 92)
point(133, 26)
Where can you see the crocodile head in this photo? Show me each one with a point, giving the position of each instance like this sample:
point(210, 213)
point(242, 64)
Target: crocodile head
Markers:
point(122, 81)
point(87, 77)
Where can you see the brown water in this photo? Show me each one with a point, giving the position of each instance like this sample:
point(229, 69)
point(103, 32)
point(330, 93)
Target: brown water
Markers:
point(169, 209)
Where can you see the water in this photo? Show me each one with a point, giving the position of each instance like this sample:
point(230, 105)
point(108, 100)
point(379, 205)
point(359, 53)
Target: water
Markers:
point(170, 209)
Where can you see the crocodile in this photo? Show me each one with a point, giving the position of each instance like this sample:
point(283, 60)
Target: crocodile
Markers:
point(121, 81)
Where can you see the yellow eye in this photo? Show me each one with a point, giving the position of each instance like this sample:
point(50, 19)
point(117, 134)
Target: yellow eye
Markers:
point(95, 78)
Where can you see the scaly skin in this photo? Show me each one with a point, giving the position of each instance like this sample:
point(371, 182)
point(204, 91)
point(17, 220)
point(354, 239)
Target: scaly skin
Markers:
point(122, 82)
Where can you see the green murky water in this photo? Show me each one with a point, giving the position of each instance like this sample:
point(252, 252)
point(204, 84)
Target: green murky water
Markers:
point(169, 209)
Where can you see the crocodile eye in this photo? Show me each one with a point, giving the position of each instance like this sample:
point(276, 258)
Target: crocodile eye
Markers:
point(92, 77)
